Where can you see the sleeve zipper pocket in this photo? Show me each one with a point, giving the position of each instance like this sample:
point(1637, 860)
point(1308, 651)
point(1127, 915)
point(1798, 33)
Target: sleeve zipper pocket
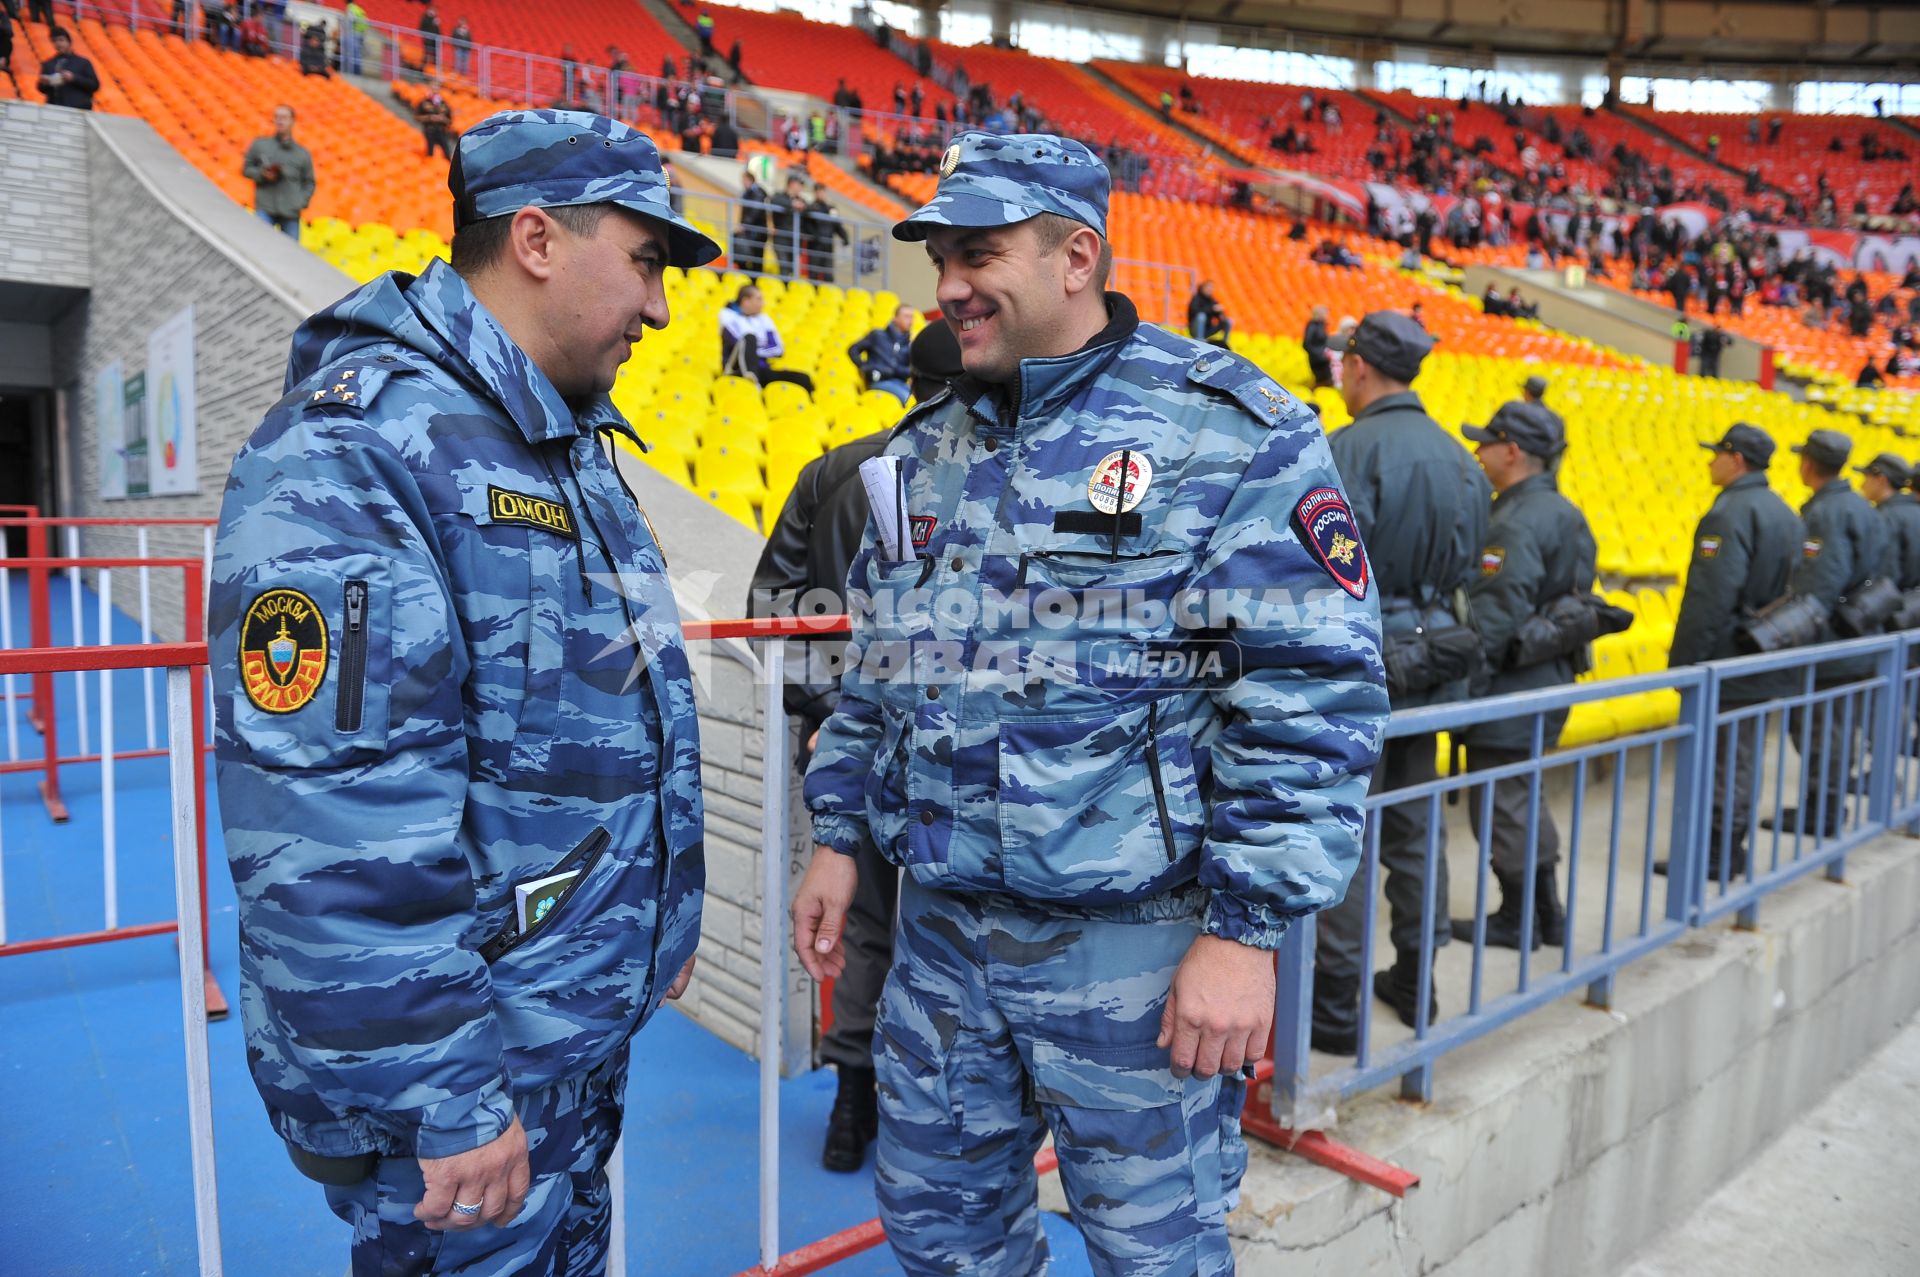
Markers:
point(1159, 785)
point(353, 661)
point(582, 859)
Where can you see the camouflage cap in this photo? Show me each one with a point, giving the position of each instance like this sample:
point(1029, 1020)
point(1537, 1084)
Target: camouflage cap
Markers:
point(554, 158)
point(987, 180)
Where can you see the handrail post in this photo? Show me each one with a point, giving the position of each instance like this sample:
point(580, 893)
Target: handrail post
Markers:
point(184, 760)
point(773, 936)
point(1692, 777)
point(1887, 745)
point(40, 634)
point(1292, 1020)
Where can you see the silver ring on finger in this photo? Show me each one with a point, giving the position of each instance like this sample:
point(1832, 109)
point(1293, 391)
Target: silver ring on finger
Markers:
point(461, 1208)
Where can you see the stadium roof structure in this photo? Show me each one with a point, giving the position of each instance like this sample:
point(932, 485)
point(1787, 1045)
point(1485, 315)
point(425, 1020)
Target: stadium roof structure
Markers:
point(1883, 34)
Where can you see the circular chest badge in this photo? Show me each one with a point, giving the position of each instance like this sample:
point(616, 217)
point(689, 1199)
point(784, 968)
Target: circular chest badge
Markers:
point(283, 651)
point(1110, 490)
point(950, 161)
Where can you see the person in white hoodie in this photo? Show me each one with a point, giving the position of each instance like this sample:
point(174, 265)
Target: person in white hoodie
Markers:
point(748, 339)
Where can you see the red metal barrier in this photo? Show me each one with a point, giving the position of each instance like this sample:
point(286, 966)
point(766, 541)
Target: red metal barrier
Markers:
point(42, 708)
point(43, 661)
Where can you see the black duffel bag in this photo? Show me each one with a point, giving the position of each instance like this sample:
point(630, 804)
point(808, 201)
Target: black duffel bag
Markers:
point(1865, 610)
point(1430, 658)
point(1792, 620)
point(1907, 615)
point(1565, 627)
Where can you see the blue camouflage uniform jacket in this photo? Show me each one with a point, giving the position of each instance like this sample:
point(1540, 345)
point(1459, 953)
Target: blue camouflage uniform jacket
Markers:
point(1016, 716)
point(446, 662)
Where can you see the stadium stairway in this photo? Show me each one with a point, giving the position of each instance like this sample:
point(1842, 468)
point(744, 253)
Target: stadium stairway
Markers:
point(1129, 94)
point(677, 25)
point(1653, 128)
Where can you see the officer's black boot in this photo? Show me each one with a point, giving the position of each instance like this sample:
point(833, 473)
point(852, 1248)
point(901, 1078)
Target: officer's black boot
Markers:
point(1549, 915)
point(854, 1121)
point(1790, 817)
point(1399, 988)
point(1503, 924)
point(1336, 1011)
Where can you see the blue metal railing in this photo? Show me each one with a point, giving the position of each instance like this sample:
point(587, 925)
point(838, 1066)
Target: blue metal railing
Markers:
point(1861, 780)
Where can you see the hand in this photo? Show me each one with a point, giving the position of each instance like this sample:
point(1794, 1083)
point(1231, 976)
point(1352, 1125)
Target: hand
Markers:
point(813, 741)
point(493, 1177)
point(679, 985)
point(1219, 1009)
point(820, 912)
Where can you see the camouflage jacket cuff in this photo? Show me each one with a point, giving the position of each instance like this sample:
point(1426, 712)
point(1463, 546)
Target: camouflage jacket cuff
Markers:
point(1249, 924)
point(462, 1123)
point(841, 833)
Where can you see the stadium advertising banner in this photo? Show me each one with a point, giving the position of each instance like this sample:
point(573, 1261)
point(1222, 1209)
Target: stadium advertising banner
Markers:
point(110, 429)
point(173, 462)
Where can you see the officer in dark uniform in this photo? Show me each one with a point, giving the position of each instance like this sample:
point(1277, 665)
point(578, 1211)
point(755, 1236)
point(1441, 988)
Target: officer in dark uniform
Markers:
point(1884, 481)
point(810, 548)
point(1534, 391)
point(1422, 507)
point(1846, 545)
point(1743, 555)
point(1538, 548)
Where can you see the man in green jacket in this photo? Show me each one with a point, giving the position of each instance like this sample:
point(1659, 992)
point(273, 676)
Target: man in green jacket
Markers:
point(282, 174)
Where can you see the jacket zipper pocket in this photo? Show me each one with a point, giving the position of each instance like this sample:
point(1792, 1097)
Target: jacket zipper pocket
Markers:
point(1159, 785)
point(581, 859)
point(353, 661)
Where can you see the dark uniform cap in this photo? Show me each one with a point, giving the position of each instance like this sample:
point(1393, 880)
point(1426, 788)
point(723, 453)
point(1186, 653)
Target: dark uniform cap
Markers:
point(935, 352)
point(1889, 467)
point(1391, 342)
point(1535, 385)
point(1001, 181)
point(1828, 448)
point(1528, 425)
point(550, 159)
point(1751, 442)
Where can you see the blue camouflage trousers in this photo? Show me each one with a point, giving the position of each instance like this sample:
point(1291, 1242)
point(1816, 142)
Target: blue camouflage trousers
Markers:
point(562, 1230)
point(1002, 1019)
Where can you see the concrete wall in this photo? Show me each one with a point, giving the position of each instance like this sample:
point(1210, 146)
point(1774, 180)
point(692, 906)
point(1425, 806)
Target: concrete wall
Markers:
point(1610, 316)
point(1569, 1139)
point(161, 237)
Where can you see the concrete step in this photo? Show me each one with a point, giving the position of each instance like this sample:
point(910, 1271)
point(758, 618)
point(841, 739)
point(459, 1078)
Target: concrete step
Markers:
point(1833, 1193)
point(1153, 108)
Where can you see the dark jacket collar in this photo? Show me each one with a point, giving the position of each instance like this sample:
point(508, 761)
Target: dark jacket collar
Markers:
point(1043, 385)
point(1388, 403)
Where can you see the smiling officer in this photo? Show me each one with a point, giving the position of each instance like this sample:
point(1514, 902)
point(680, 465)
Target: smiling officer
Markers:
point(458, 762)
point(1100, 853)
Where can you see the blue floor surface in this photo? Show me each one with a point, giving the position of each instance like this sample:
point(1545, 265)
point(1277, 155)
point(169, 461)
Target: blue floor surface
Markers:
point(97, 1176)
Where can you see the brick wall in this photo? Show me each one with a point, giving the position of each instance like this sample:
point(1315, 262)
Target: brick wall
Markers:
point(43, 185)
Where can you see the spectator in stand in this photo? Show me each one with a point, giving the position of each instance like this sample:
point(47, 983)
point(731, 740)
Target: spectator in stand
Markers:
point(789, 225)
point(66, 78)
point(1314, 342)
point(462, 48)
point(430, 39)
point(436, 122)
point(703, 27)
point(749, 249)
point(884, 356)
point(1870, 377)
point(6, 41)
point(724, 141)
point(40, 11)
point(281, 171)
point(313, 50)
point(823, 226)
point(354, 30)
point(748, 339)
point(1491, 302)
point(1712, 343)
point(1206, 319)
